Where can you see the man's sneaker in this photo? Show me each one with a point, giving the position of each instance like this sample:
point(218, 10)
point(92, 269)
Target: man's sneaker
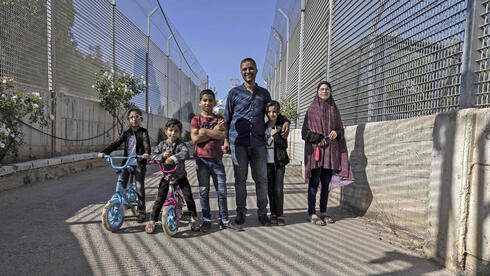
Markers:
point(230, 225)
point(205, 226)
point(240, 218)
point(264, 220)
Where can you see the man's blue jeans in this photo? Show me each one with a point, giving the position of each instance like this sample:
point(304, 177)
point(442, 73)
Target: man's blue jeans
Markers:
point(213, 167)
point(241, 156)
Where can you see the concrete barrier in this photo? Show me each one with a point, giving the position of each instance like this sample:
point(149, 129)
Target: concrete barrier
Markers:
point(76, 119)
point(427, 179)
point(19, 174)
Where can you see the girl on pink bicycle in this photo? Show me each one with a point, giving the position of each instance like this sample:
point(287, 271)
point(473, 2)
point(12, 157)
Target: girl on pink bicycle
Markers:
point(172, 151)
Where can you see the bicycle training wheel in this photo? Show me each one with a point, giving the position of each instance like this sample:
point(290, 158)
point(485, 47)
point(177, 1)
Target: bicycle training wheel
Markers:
point(113, 215)
point(169, 220)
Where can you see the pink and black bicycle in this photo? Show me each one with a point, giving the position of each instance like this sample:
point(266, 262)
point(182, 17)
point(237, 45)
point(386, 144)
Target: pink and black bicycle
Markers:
point(172, 208)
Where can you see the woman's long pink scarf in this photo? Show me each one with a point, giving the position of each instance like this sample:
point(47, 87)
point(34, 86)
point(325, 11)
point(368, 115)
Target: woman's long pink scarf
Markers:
point(323, 117)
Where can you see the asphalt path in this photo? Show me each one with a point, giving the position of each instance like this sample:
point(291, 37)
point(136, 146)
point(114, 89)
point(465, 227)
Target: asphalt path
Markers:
point(54, 228)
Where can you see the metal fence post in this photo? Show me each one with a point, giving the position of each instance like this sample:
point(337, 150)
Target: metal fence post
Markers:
point(287, 51)
point(300, 59)
point(51, 88)
point(168, 66)
point(113, 36)
point(147, 61)
point(469, 64)
point(329, 43)
point(279, 38)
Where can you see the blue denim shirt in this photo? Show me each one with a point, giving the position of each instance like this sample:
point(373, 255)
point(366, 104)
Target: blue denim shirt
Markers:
point(244, 115)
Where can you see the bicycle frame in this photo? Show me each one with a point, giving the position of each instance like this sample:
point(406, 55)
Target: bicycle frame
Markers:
point(121, 194)
point(113, 213)
point(173, 193)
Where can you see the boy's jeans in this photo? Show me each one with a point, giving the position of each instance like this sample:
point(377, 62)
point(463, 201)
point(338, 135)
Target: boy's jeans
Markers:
point(257, 157)
point(213, 167)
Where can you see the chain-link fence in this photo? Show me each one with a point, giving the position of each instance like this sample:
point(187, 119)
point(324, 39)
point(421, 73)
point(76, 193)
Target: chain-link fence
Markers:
point(60, 46)
point(385, 59)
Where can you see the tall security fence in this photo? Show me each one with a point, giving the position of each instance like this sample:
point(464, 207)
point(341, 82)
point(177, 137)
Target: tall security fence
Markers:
point(59, 46)
point(385, 59)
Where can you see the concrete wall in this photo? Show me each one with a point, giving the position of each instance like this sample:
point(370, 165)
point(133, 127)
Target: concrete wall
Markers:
point(427, 179)
point(77, 119)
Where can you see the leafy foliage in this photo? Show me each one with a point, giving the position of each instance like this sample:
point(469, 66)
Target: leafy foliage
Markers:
point(288, 109)
point(115, 93)
point(15, 105)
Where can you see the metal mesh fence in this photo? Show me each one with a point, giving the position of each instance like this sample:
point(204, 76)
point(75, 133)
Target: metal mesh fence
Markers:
point(483, 85)
point(81, 32)
point(23, 42)
point(385, 59)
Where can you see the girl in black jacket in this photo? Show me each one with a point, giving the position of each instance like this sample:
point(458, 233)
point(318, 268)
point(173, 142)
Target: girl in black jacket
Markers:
point(136, 142)
point(277, 159)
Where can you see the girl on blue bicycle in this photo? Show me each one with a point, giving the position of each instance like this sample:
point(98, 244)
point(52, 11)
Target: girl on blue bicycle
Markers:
point(136, 142)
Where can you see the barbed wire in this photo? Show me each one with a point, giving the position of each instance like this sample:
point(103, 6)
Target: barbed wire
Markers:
point(176, 42)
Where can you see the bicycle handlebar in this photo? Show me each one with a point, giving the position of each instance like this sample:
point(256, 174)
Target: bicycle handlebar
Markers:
point(121, 157)
point(161, 167)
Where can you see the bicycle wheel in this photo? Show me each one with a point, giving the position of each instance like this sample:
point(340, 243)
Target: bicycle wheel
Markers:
point(169, 220)
point(113, 216)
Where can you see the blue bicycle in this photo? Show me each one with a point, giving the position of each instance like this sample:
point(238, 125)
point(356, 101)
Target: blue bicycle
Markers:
point(123, 199)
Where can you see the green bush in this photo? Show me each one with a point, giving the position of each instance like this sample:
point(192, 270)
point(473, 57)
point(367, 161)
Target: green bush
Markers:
point(16, 105)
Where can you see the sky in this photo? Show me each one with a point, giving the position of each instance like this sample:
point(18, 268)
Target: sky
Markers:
point(220, 33)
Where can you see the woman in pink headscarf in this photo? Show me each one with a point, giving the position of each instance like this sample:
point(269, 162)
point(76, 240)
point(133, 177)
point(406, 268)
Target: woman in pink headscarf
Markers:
point(326, 158)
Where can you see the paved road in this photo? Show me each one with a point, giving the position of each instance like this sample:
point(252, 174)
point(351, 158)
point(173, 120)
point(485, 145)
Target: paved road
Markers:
point(54, 228)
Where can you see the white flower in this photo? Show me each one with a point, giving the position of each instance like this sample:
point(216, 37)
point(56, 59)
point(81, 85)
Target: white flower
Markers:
point(2, 145)
point(4, 81)
point(12, 135)
point(14, 97)
point(51, 116)
point(106, 74)
point(35, 105)
point(93, 85)
point(132, 75)
point(36, 94)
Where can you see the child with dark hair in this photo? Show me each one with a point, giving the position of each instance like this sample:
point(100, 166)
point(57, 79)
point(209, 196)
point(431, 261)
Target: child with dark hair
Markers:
point(172, 151)
point(136, 142)
point(277, 159)
point(208, 133)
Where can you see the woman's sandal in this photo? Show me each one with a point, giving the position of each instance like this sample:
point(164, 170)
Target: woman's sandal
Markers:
point(150, 227)
point(317, 221)
point(327, 219)
point(195, 226)
point(281, 221)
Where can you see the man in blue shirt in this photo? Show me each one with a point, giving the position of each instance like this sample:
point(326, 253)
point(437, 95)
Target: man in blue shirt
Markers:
point(245, 126)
